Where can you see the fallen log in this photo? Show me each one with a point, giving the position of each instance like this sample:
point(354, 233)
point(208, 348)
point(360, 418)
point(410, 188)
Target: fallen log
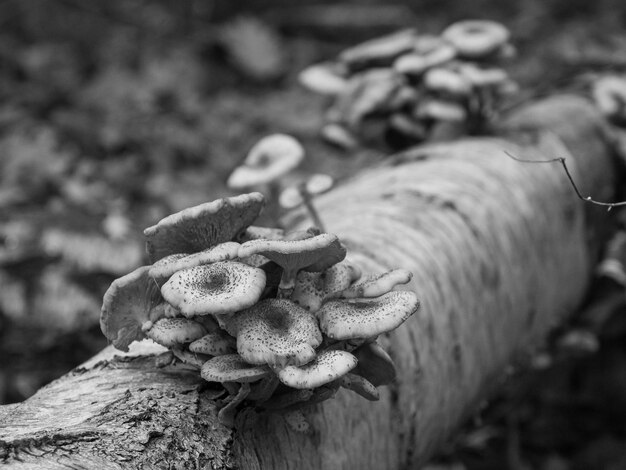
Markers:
point(501, 252)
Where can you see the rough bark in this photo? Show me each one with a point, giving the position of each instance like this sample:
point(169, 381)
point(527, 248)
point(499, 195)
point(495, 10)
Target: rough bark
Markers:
point(501, 251)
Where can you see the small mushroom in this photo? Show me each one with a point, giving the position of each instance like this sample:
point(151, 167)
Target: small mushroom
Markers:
point(482, 77)
point(171, 332)
point(167, 266)
point(203, 226)
point(378, 285)
point(214, 344)
point(339, 135)
point(337, 278)
point(276, 332)
point(366, 318)
point(312, 254)
point(476, 38)
point(232, 368)
point(227, 414)
point(323, 79)
point(130, 301)
point(218, 288)
point(447, 81)
point(360, 385)
point(269, 159)
point(440, 110)
point(326, 367)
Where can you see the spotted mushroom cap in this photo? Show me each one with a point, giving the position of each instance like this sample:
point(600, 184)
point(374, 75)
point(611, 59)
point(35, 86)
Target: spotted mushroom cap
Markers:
point(312, 254)
point(276, 332)
point(167, 266)
point(366, 318)
point(327, 367)
point(203, 226)
point(170, 332)
point(232, 368)
point(214, 344)
point(377, 285)
point(254, 233)
point(129, 302)
point(476, 38)
point(269, 159)
point(218, 288)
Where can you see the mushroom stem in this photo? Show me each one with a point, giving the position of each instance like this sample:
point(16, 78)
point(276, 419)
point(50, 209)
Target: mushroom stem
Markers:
point(187, 357)
point(286, 286)
point(308, 203)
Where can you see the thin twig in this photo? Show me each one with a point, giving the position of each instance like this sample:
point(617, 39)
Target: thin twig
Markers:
point(561, 160)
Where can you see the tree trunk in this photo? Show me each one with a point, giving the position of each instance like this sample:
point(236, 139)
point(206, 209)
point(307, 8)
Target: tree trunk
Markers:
point(501, 252)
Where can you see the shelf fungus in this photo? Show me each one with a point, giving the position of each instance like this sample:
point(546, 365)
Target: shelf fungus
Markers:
point(280, 319)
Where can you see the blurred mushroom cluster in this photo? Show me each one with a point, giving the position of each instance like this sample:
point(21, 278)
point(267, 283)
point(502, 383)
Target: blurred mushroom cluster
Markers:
point(281, 319)
point(406, 88)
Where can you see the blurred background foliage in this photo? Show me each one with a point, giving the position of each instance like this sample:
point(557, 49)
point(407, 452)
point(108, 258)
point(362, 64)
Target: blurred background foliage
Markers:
point(114, 114)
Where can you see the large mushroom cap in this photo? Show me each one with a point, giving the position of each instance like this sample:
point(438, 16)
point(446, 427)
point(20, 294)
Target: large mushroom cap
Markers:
point(222, 287)
point(312, 254)
point(203, 226)
point(269, 159)
point(129, 302)
point(167, 266)
point(366, 318)
point(232, 368)
point(277, 332)
point(327, 366)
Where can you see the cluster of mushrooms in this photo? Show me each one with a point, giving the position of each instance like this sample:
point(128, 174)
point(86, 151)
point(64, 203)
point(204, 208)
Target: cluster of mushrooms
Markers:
point(406, 88)
point(280, 319)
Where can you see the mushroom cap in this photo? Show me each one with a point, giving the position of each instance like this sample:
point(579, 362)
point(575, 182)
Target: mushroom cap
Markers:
point(170, 332)
point(447, 81)
point(319, 183)
point(276, 332)
point(366, 318)
point(218, 288)
point(476, 38)
point(339, 277)
point(167, 266)
point(326, 367)
point(378, 285)
point(431, 55)
point(290, 198)
point(269, 159)
point(323, 78)
point(232, 368)
point(129, 302)
point(483, 77)
point(203, 226)
point(440, 110)
point(214, 344)
point(609, 94)
point(339, 135)
point(311, 254)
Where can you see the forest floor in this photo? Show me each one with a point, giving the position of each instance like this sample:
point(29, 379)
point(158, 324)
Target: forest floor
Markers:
point(115, 114)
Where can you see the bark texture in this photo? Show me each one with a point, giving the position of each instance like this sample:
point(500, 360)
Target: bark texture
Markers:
point(502, 251)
